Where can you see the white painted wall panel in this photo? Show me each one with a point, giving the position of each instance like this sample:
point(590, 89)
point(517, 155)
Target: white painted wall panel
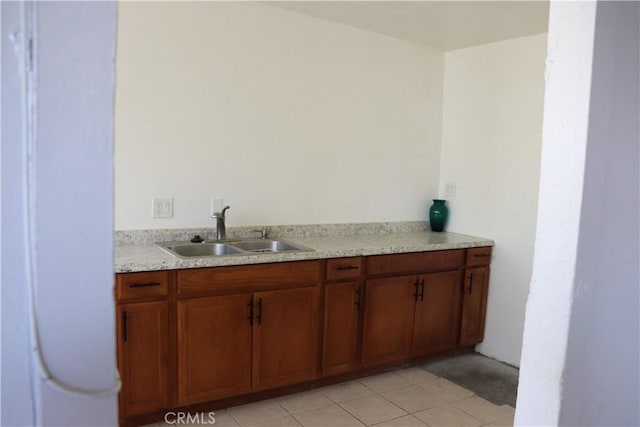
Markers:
point(291, 119)
point(491, 138)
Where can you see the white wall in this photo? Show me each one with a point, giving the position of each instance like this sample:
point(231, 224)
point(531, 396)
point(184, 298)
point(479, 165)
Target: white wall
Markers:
point(491, 138)
point(71, 195)
point(290, 119)
point(606, 304)
point(16, 402)
point(581, 342)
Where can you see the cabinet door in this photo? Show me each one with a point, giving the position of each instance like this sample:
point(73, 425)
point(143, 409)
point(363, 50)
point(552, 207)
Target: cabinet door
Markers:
point(214, 347)
point(388, 319)
point(285, 337)
point(142, 356)
point(437, 317)
point(341, 309)
point(474, 305)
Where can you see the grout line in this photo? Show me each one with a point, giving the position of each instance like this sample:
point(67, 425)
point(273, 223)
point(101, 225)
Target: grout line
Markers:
point(375, 393)
point(473, 416)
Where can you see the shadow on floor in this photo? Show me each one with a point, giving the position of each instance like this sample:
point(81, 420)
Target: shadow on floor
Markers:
point(492, 380)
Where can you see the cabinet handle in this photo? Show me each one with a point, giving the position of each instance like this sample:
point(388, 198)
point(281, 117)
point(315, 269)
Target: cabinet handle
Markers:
point(422, 290)
point(144, 285)
point(482, 255)
point(470, 287)
point(250, 304)
point(415, 291)
point(124, 326)
point(357, 303)
point(259, 316)
point(347, 267)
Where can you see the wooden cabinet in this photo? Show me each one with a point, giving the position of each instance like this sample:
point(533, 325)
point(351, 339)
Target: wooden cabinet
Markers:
point(214, 347)
point(263, 335)
point(474, 295)
point(388, 319)
point(342, 306)
point(437, 316)
point(413, 314)
point(199, 335)
point(142, 329)
point(285, 337)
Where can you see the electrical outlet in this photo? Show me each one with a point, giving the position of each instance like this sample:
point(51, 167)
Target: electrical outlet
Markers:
point(450, 189)
point(161, 208)
point(216, 204)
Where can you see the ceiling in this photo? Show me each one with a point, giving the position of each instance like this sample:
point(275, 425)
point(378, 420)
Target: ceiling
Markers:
point(443, 25)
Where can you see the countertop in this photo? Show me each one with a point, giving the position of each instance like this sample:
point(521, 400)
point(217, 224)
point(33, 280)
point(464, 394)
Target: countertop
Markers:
point(145, 256)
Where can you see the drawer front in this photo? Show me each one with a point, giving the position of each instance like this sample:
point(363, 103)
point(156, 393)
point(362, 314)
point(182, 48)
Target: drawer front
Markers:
point(148, 284)
point(479, 256)
point(415, 262)
point(344, 268)
point(248, 278)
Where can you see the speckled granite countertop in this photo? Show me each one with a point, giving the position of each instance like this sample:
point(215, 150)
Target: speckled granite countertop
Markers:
point(140, 254)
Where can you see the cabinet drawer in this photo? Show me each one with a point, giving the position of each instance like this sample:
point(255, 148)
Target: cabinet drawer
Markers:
point(479, 256)
point(344, 268)
point(143, 285)
point(415, 262)
point(248, 278)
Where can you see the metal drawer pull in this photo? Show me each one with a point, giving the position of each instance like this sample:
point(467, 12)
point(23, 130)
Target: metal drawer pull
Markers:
point(259, 316)
point(470, 288)
point(144, 285)
point(482, 255)
point(348, 267)
point(124, 326)
point(422, 290)
point(358, 297)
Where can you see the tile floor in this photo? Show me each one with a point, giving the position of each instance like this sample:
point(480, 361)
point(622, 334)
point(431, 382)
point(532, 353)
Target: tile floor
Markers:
point(408, 397)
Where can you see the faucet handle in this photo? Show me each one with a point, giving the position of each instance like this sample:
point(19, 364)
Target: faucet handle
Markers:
point(220, 214)
point(263, 232)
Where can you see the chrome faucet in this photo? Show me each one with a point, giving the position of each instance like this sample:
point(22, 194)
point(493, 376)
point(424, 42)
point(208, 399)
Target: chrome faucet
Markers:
point(221, 230)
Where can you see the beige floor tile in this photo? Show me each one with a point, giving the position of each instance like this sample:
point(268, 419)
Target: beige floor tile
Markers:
point(447, 416)
point(503, 422)
point(330, 416)
point(258, 411)
point(484, 410)
point(385, 382)
point(346, 391)
point(415, 398)
point(373, 409)
point(416, 375)
point(405, 421)
point(223, 418)
point(445, 391)
point(277, 422)
point(305, 401)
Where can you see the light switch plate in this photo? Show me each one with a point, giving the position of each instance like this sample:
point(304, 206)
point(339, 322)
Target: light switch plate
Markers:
point(162, 208)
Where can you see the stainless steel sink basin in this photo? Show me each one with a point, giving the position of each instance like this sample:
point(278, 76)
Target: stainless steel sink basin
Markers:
point(189, 249)
point(208, 248)
point(267, 245)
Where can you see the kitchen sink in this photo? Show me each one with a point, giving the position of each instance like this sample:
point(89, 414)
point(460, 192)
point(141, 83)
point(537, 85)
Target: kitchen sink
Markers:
point(267, 245)
point(188, 249)
point(209, 248)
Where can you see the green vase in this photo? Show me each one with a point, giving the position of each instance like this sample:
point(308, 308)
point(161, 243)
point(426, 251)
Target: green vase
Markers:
point(438, 215)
